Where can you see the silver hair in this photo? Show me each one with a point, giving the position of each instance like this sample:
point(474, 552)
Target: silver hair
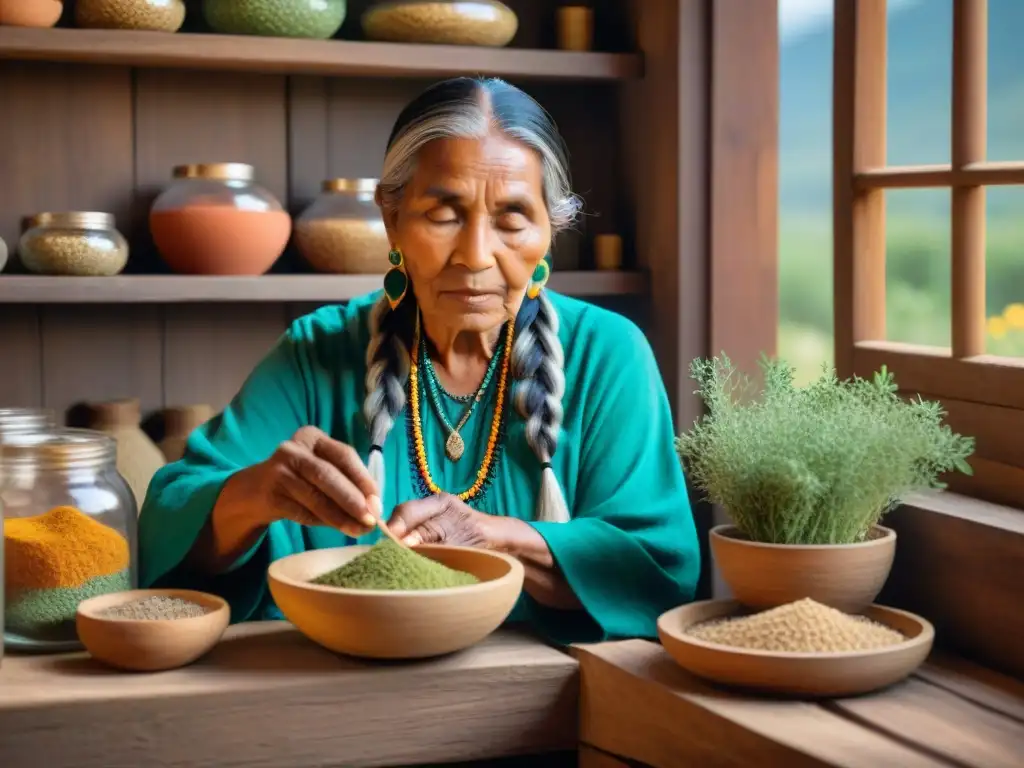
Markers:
point(472, 109)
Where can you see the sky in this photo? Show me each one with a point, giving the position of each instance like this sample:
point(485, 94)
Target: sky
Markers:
point(800, 17)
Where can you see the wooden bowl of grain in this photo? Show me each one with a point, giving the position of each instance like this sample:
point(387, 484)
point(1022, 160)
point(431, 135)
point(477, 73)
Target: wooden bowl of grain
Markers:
point(770, 651)
point(397, 623)
point(148, 630)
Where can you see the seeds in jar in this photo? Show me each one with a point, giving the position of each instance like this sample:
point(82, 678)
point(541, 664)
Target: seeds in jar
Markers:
point(155, 608)
point(343, 246)
point(152, 15)
point(486, 23)
point(316, 19)
point(805, 626)
point(81, 253)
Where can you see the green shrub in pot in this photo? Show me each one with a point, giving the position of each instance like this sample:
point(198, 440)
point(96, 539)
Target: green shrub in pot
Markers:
point(806, 474)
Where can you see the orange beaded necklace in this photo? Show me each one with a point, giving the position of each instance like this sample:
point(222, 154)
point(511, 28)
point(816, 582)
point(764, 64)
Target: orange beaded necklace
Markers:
point(496, 422)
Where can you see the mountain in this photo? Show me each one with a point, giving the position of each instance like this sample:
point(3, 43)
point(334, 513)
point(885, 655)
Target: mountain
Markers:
point(918, 103)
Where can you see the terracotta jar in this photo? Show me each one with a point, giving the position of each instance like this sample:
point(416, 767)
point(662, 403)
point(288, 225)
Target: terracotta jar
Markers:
point(138, 458)
point(30, 13)
point(179, 423)
point(215, 220)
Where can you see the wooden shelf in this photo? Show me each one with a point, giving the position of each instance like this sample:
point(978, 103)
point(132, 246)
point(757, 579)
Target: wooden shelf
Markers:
point(273, 55)
point(177, 289)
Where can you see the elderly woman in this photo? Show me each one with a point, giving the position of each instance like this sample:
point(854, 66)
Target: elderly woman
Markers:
point(476, 405)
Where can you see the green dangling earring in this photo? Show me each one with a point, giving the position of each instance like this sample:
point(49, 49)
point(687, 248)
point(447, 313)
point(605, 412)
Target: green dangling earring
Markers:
point(396, 282)
point(539, 279)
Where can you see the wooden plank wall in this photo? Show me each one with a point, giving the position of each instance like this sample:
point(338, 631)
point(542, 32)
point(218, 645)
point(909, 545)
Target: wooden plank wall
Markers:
point(78, 137)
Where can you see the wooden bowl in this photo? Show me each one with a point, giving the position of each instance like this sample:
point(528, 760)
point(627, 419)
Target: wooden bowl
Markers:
point(799, 674)
point(847, 577)
point(407, 624)
point(141, 645)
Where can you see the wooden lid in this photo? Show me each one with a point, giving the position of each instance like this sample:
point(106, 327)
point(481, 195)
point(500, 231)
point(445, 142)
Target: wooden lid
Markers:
point(116, 413)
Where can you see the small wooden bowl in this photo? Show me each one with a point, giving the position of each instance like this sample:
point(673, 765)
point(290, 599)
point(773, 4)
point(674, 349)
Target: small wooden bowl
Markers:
point(798, 674)
point(406, 624)
point(140, 645)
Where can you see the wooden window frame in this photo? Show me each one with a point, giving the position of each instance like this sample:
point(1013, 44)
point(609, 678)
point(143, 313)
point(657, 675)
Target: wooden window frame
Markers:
point(983, 394)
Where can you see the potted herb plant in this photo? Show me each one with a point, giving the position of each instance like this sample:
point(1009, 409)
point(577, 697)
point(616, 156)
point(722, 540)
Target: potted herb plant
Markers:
point(807, 473)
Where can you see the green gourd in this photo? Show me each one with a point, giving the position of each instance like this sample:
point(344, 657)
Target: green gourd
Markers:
point(388, 566)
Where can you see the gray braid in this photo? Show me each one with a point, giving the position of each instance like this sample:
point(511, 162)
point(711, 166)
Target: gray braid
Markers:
point(387, 370)
point(538, 364)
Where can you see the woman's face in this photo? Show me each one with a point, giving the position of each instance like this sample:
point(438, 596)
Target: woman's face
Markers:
point(472, 226)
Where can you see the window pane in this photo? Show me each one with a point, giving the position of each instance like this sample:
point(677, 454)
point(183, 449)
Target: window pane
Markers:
point(1004, 271)
point(917, 269)
point(919, 71)
point(1005, 80)
point(805, 185)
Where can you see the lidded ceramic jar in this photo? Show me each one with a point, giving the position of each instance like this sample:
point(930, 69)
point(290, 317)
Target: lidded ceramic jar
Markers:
point(80, 243)
point(179, 424)
point(151, 15)
point(319, 19)
point(441, 22)
point(69, 532)
point(342, 230)
point(138, 458)
point(214, 219)
point(30, 13)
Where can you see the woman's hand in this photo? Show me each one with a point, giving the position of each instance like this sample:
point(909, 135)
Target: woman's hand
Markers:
point(311, 479)
point(446, 519)
point(441, 519)
point(314, 479)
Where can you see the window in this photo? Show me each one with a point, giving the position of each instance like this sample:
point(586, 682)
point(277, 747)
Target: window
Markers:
point(982, 390)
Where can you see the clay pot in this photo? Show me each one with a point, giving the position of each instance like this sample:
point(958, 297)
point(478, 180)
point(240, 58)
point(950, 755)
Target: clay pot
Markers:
point(847, 577)
point(179, 423)
point(30, 13)
point(138, 458)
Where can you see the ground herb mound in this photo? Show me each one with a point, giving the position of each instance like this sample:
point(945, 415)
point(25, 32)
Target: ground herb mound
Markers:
point(388, 566)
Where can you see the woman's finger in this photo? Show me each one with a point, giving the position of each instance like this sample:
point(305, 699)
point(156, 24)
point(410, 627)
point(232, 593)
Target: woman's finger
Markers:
point(414, 514)
point(326, 511)
point(331, 482)
point(347, 460)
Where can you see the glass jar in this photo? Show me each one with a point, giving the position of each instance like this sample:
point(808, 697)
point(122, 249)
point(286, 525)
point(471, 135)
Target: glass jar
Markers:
point(151, 15)
point(215, 220)
point(441, 22)
point(69, 533)
point(19, 421)
point(318, 19)
point(30, 13)
point(81, 243)
point(3, 254)
point(342, 231)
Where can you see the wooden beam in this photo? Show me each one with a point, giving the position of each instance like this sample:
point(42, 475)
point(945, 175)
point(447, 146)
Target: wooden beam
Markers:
point(858, 137)
point(744, 137)
point(939, 176)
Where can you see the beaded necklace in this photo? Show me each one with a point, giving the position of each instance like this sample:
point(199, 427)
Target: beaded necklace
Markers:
point(454, 446)
point(483, 475)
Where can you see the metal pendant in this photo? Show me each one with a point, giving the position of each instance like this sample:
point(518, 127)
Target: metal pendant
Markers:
point(454, 446)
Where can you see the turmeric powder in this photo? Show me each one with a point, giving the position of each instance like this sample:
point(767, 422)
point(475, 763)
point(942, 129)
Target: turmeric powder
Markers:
point(60, 548)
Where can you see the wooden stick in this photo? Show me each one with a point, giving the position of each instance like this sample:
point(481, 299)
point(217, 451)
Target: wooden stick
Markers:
point(376, 503)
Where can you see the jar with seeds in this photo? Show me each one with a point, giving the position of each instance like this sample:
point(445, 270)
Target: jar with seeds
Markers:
point(81, 243)
point(441, 22)
point(151, 15)
point(69, 525)
point(342, 231)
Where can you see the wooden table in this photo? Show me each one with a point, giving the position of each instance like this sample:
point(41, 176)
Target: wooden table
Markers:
point(267, 696)
point(637, 706)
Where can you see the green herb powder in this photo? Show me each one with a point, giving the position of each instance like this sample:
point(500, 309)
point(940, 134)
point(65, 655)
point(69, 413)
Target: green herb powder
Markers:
point(386, 565)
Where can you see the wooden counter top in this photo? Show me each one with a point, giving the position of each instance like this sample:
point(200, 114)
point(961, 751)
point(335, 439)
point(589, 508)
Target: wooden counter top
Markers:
point(267, 696)
point(638, 706)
